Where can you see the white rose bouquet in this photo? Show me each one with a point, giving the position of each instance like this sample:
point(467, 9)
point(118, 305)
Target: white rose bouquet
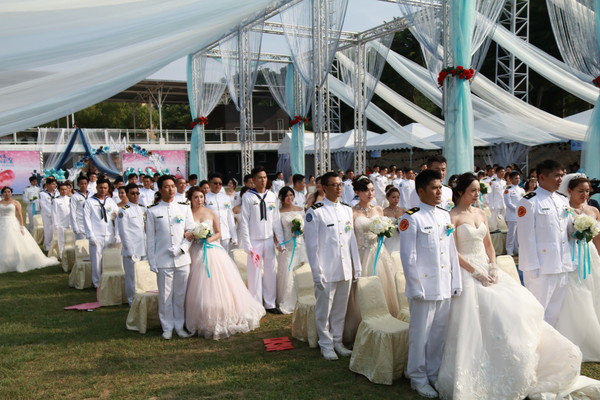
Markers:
point(586, 227)
point(202, 231)
point(382, 226)
point(297, 226)
point(484, 188)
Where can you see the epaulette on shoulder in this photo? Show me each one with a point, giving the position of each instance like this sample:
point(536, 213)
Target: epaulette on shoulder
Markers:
point(529, 195)
point(346, 204)
point(125, 207)
point(141, 205)
point(185, 203)
point(563, 195)
point(152, 205)
point(413, 210)
point(441, 208)
point(509, 186)
point(316, 205)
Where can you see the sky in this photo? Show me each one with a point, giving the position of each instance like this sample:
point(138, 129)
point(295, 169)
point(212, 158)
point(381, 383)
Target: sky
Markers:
point(360, 15)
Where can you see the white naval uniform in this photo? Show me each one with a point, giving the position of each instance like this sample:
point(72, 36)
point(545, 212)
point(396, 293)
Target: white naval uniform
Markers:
point(61, 217)
point(380, 183)
point(334, 261)
point(220, 203)
point(447, 203)
point(485, 197)
point(166, 224)
point(256, 234)
point(543, 224)
point(408, 194)
point(130, 224)
point(92, 187)
point(496, 198)
point(146, 196)
point(180, 197)
point(347, 191)
point(430, 263)
point(277, 185)
point(31, 197)
point(46, 200)
point(299, 198)
point(512, 195)
point(77, 201)
point(99, 230)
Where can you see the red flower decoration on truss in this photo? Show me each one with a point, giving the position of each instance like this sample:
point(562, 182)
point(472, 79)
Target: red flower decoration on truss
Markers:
point(198, 121)
point(596, 81)
point(297, 120)
point(458, 71)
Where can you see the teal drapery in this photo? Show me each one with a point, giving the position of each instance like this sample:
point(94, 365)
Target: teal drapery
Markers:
point(458, 142)
point(295, 106)
point(197, 151)
point(591, 146)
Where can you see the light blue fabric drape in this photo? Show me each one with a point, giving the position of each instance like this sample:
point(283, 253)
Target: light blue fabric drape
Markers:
point(458, 143)
point(297, 144)
point(591, 146)
point(197, 152)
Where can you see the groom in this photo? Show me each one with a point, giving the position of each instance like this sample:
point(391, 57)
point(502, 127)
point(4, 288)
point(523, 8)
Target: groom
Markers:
point(432, 272)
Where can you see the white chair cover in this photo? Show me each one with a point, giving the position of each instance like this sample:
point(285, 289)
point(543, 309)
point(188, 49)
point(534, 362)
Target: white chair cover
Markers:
point(507, 264)
point(404, 313)
point(143, 313)
point(304, 325)
point(111, 287)
point(38, 229)
point(68, 254)
point(81, 274)
point(241, 260)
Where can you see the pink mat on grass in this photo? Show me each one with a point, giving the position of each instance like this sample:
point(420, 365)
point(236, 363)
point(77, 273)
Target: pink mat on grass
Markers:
point(84, 306)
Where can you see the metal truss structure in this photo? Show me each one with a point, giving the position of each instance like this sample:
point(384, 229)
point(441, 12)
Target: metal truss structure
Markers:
point(511, 73)
point(245, 101)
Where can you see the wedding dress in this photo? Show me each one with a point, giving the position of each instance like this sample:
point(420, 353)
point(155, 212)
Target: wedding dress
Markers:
point(499, 346)
point(579, 318)
point(19, 251)
point(218, 306)
point(386, 271)
point(286, 292)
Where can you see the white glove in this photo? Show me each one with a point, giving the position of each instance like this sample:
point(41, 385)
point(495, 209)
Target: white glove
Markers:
point(418, 297)
point(282, 249)
point(154, 269)
point(117, 240)
point(92, 241)
point(22, 230)
point(356, 276)
point(175, 251)
point(320, 284)
point(234, 242)
point(493, 272)
point(484, 279)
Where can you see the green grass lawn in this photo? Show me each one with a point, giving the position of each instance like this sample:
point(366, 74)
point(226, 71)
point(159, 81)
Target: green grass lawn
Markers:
point(49, 353)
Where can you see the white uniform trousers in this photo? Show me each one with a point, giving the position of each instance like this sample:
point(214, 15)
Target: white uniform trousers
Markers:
point(48, 231)
point(512, 244)
point(30, 216)
point(129, 267)
point(96, 250)
point(330, 312)
point(172, 285)
point(426, 338)
point(264, 288)
point(549, 289)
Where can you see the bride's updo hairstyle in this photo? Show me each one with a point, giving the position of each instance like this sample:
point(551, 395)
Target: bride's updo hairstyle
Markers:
point(462, 183)
point(191, 191)
point(284, 192)
point(361, 184)
point(573, 183)
point(5, 188)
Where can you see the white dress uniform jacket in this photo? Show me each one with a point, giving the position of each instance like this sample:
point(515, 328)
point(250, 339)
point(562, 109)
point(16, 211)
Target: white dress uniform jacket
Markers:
point(277, 185)
point(408, 194)
point(299, 198)
point(220, 203)
point(252, 227)
point(61, 211)
point(512, 195)
point(77, 201)
point(130, 224)
point(31, 197)
point(380, 183)
point(496, 198)
point(46, 200)
point(147, 196)
point(347, 191)
point(447, 203)
point(428, 254)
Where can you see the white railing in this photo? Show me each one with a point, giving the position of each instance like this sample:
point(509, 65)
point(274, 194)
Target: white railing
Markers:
point(145, 136)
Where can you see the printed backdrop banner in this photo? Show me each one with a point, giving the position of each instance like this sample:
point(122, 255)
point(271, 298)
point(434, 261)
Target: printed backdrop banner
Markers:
point(173, 160)
point(16, 167)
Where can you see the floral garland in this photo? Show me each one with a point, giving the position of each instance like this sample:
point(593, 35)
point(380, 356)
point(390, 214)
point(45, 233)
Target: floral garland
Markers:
point(596, 81)
point(459, 71)
point(199, 121)
point(297, 120)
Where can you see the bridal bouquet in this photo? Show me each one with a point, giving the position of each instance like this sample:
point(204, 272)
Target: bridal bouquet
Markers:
point(297, 226)
point(484, 188)
point(382, 226)
point(202, 231)
point(586, 227)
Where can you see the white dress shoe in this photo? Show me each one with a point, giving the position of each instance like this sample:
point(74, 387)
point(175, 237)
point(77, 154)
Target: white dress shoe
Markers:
point(341, 350)
point(329, 355)
point(167, 335)
point(425, 390)
point(182, 333)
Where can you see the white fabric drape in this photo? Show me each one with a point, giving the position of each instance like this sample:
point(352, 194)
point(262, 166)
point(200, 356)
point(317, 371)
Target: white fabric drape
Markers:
point(507, 153)
point(58, 57)
point(343, 159)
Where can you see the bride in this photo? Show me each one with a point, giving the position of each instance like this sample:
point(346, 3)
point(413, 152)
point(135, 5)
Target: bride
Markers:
point(498, 344)
point(579, 318)
point(18, 250)
point(217, 303)
point(364, 212)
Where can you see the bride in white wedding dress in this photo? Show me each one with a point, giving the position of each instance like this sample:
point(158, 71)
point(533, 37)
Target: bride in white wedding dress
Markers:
point(498, 344)
point(18, 250)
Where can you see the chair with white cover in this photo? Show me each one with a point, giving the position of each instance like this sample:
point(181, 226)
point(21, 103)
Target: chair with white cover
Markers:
point(507, 264)
point(111, 286)
point(304, 324)
point(381, 346)
point(81, 274)
point(404, 313)
point(241, 259)
point(143, 313)
point(68, 254)
point(54, 251)
point(38, 229)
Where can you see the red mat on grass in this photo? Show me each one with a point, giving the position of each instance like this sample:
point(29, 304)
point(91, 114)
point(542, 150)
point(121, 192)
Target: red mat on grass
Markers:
point(84, 306)
point(278, 344)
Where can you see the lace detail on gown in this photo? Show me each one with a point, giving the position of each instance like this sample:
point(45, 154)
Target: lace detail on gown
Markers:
point(19, 252)
point(498, 345)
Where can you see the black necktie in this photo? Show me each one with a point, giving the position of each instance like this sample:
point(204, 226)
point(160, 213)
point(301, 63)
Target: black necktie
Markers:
point(263, 206)
point(102, 209)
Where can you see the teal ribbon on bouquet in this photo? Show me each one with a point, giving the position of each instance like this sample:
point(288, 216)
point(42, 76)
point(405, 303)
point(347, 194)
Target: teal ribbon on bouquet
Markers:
point(380, 240)
point(584, 259)
point(293, 239)
point(206, 246)
point(33, 210)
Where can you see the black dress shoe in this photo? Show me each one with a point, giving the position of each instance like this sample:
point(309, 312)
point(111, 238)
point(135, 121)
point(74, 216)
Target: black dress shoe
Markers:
point(274, 311)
